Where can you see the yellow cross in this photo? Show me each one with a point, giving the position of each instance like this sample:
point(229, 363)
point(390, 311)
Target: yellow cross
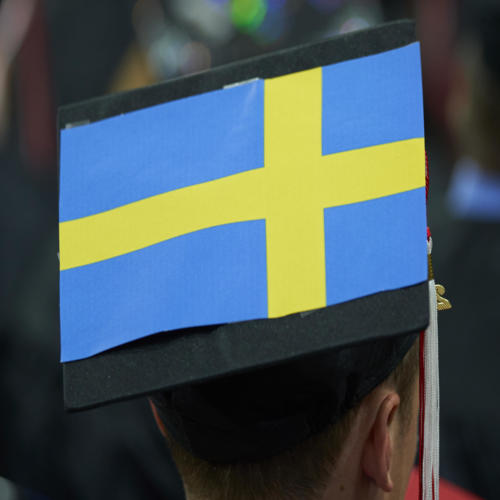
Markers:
point(290, 192)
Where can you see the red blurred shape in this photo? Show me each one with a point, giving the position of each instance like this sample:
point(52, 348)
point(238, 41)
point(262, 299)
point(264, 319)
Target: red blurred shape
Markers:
point(447, 490)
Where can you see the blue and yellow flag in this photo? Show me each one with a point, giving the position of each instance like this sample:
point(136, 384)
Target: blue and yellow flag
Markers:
point(256, 201)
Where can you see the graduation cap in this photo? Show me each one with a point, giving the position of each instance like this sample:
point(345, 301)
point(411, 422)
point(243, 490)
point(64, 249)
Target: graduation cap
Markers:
point(264, 217)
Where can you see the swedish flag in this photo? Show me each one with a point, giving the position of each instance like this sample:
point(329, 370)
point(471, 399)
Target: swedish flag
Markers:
point(260, 200)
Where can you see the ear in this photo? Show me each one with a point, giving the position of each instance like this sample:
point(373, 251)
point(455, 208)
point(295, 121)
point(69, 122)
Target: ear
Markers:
point(378, 447)
point(158, 420)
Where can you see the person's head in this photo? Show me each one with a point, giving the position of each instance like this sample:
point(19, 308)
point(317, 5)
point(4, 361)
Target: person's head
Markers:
point(473, 106)
point(365, 452)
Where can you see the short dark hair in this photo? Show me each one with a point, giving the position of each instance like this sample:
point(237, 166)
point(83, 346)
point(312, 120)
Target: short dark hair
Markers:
point(301, 472)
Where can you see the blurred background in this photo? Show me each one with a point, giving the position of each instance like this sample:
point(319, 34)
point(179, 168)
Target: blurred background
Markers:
point(55, 52)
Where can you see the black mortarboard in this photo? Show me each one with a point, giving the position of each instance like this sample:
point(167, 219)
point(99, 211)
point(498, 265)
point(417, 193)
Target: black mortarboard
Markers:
point(268, 214)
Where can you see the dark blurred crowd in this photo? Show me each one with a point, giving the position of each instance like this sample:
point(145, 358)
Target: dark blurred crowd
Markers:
point(54, 52)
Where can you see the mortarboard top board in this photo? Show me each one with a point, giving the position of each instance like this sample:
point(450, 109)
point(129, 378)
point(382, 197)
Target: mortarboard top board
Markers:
point(140, 316)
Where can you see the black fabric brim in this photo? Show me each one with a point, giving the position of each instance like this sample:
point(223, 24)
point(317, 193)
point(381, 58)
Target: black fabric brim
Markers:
point(172, 359)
